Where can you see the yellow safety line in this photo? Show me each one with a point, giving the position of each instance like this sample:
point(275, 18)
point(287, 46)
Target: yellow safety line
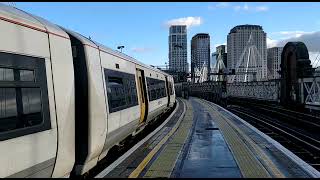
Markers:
point(249, 166)
point(257, 149)
point(164, 164)
point(147, 159)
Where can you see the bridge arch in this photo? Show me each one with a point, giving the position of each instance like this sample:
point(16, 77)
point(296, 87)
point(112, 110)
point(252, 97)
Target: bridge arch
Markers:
point(295, 64)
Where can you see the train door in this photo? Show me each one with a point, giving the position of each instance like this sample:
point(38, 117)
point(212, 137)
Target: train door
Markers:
point(168, 91)
point(142, 96)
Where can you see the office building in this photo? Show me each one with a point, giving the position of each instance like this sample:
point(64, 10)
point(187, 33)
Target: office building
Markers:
point(274, 61)
point(178, 48)
point(200, 52)
point(237, 41)
point(221, 50)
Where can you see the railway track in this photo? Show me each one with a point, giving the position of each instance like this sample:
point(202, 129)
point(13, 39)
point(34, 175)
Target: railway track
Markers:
point(299, 140)
point(302, 121)
point(294, 113)
point(298, 111)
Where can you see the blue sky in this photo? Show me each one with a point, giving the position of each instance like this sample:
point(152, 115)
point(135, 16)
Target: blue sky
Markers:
point(143, 27)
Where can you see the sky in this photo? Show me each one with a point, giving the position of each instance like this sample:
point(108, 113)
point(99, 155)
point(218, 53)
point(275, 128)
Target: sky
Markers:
point(143, 27)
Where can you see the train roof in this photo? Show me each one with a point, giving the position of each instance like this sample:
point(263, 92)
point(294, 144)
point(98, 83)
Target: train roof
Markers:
point(20, 17)
point(81, 38)
point(108, 50)
point(127, 57)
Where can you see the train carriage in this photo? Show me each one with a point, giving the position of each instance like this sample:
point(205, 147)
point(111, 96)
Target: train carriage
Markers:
point(36, 97)
point(65, 100)
point(131, 99)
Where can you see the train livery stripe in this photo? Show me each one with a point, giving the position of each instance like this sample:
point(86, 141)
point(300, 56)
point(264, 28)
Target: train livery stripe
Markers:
point(57, 35)
point(22, 24)
point(31, 27)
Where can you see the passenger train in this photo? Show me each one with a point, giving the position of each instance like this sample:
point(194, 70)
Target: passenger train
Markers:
point(65, 100)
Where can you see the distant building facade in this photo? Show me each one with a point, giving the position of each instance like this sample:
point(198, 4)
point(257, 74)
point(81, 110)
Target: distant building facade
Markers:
point(213, 60)
point(274, 61)
point(237, 40)
point(221, 50)
point(178, 48)
point(200, 52)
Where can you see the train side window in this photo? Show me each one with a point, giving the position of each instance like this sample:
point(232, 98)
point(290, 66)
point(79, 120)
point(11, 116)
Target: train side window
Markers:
point(26, 75)
point(171, 88)
point(163, 89)
point(6, 74)
point(156, 88)
point(24, 105)
point(133, 91)
point(31, 105)
point(121, 90)
point(116, 92)
point(141, 83)
point(8, 109)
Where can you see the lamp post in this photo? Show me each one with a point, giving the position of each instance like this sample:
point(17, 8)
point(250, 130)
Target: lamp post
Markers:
point(120, 47)
point(166, 64)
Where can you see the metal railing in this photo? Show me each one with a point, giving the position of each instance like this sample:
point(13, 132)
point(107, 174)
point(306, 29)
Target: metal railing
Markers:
point(310, 91)
point(266, 90)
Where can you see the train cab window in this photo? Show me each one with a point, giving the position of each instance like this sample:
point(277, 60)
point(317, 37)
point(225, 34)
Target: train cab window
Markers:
point(24, 106)
point(121, 90)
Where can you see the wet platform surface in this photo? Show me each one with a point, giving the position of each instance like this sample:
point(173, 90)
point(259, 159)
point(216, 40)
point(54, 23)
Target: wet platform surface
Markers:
point(203, 140)
point(206, 154)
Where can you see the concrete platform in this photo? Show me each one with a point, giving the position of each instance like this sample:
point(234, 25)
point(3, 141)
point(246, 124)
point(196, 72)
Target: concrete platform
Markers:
point(204, 140)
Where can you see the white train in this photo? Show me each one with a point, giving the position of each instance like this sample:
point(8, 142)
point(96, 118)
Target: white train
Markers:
point(66, 100)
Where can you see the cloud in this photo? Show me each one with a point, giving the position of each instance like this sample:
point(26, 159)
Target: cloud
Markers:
point(216, 45)
point(223, 5)
point(236, 8)
point(220, 5)
point(262, 8)
point(244, 7)
point(314, 57)
point(188, 21)
point(291, 34)
point(271, 43)
point(248, 8)
point(141, 50)
point(310, 39)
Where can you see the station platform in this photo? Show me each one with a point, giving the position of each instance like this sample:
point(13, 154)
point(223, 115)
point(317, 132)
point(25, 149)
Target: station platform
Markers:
point(203, 140)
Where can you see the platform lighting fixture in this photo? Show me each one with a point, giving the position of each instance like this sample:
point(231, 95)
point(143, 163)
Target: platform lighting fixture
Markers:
point(120, 47)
